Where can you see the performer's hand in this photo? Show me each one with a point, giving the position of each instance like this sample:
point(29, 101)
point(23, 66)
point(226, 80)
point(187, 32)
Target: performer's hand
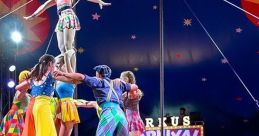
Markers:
point(28, 18)
point(101, 4)
point(58, 73)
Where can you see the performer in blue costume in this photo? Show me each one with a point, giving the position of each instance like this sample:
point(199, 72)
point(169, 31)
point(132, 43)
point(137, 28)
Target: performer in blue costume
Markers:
point(67, 105)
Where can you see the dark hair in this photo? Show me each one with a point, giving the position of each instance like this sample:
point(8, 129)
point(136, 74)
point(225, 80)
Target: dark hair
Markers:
point(41, 67)
point(103, 70)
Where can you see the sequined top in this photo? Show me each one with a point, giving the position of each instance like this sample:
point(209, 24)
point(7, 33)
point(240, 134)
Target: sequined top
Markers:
point(46, 88)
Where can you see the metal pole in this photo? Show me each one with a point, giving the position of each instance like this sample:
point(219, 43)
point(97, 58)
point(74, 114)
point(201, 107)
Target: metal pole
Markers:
point(1, 80)
point(161, 18)
point(75, 93)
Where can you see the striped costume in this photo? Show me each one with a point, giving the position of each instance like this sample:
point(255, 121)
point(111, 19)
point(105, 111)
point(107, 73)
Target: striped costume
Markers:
point(112, 121)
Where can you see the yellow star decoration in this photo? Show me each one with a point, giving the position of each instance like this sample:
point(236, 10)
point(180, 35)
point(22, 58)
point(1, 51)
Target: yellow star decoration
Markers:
point(81, 50)
point(21, 13)
point(187, 22)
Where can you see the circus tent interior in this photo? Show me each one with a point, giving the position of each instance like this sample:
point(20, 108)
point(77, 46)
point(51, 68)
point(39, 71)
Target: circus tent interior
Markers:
point(210, 58)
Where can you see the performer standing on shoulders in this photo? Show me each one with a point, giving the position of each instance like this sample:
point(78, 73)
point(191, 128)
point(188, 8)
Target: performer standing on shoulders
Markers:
point(66, 27)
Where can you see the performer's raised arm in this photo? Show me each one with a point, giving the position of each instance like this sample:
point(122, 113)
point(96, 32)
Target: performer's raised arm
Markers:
point(41, 9)
point(100, 2)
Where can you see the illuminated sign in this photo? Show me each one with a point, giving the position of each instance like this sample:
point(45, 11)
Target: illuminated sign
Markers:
point(173, 129)
point(174, 121)
point(196, 130)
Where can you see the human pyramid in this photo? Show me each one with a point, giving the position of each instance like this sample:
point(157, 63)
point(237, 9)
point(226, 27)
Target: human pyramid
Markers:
point(117, 100)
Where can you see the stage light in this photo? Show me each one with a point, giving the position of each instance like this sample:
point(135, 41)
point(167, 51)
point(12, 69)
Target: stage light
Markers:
point(12, 68)
point(136, 69)
point(16, 36)
point(11, 84)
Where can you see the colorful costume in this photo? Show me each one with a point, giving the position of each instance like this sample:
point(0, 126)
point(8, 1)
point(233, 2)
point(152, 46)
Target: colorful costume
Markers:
point(69, 111)
point(108, 95)
point(44, 124)
point(131, 105)
point(67, 17)
point(29, 126)
point(12, 123)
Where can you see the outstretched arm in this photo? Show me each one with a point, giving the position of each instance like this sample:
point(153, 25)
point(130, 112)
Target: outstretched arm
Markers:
point(86, 104)
point(100, 2)
point(66, 79)
point(73, 76)
point(41, 9)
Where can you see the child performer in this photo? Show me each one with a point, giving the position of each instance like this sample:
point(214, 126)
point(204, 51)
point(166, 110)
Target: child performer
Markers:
point(66, 27)
point(108, 94)
point(131, 106)
point(12, 123)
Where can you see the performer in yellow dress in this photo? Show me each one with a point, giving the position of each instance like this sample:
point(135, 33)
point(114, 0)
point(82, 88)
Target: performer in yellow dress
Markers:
point(41, 83)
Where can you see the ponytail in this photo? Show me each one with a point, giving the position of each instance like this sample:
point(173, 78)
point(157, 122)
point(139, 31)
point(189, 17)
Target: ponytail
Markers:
point(41, 67)
point(35, 71)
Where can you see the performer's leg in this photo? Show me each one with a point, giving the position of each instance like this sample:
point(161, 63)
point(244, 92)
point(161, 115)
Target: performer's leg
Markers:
point(61, 46)
point(60, 39)
point(66, 128)
point(69, 128)
point(70, 61)
point(61, 129)
point(73, 61)
point(57, 119)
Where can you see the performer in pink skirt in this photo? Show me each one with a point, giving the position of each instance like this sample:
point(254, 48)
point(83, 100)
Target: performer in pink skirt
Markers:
point(131, 105)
